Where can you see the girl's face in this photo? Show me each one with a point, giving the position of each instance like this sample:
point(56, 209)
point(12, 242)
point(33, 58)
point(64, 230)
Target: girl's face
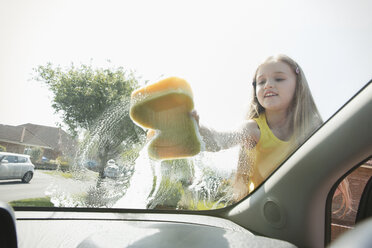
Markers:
point(275, 85)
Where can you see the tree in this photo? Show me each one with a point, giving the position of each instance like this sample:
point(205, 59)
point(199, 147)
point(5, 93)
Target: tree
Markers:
point(89, 99)
point(2, 148)
point(35, 154)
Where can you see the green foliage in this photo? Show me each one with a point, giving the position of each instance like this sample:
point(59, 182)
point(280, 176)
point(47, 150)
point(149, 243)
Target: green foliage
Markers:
point(180, 170)
point(36, 154)
point(32, 202)
point(82, 94)
point(176, 176)
point(67, 175)
point(2, 148)
point(216, 187)
point(96, 100)
point(168, 195)
point(130, 155)
point(62, 160)
point(98, 197)
point(63, 163)
point(208, 205)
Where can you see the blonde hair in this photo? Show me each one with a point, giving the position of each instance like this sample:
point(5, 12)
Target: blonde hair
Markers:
point(305, 115)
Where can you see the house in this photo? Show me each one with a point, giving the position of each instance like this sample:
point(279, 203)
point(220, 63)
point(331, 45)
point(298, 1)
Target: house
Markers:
point(53, 141)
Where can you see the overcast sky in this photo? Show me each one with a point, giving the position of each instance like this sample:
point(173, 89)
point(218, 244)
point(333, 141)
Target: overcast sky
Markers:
point(214, 45)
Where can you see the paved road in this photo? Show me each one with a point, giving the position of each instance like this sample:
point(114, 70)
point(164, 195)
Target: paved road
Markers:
point(11, 190)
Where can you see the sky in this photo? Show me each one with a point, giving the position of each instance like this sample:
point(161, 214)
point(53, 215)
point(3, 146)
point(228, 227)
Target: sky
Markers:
point(215, 45)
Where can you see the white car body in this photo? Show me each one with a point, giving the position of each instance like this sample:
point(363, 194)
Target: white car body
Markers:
point(16, 166)
point(112, 171)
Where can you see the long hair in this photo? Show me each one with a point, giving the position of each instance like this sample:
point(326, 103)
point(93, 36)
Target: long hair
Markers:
point(305, 117)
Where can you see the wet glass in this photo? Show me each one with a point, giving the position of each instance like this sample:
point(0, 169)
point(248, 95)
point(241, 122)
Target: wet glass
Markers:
point(104, 162)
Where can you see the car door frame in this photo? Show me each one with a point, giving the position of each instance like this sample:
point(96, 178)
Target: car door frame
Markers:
point(291, 205)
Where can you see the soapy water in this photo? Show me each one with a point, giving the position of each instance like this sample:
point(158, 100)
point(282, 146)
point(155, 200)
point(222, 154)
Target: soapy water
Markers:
point(199, 182)
point(109, 133)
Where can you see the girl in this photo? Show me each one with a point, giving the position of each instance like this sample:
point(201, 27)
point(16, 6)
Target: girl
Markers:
point(282, 115)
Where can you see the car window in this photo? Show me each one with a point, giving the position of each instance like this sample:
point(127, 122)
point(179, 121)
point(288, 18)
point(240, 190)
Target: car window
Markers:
point(101, 139)
point(22, 159)
point(12, 159)
point(346, 201)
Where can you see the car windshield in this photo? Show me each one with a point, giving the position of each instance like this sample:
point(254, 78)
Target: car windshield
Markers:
point(165, 105)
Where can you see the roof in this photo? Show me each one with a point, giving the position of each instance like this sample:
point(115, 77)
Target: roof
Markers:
point(20, 135)
point(35, 135)
point(14, 154)
point(49, 135)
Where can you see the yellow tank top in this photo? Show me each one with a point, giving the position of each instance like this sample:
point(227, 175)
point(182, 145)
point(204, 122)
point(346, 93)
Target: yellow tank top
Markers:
point(268, 153)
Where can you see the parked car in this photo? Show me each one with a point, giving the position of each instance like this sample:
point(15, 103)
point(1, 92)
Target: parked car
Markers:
point(16, 166)
point(112, 170)
point(91, 165)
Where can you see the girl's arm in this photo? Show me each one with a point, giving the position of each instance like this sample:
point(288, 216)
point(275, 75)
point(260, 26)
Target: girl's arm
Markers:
point(216, 141)
point(247, 132)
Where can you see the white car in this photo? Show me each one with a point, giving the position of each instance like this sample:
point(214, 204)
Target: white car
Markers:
point(112, 170)
point(16, 166)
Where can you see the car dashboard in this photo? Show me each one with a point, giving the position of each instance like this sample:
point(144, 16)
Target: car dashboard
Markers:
point(132, 229)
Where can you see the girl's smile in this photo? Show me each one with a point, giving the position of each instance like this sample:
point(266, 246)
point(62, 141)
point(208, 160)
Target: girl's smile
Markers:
point(269, 94)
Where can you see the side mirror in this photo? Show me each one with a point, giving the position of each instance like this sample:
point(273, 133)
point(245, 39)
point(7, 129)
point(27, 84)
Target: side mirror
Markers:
point(4, 161)
point(8, 232)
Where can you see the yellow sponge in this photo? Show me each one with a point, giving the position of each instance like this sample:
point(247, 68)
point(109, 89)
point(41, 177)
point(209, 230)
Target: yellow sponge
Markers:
point(165, 106)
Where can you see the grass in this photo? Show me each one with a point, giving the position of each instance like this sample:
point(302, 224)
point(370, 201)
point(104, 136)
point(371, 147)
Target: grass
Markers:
point(87, 175)
point(188, 203)
point(59, 173)
point(45, 202)
point(208, 205)
point(32, 202)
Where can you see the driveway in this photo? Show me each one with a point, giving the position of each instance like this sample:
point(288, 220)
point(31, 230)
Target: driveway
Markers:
point(41, 185)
